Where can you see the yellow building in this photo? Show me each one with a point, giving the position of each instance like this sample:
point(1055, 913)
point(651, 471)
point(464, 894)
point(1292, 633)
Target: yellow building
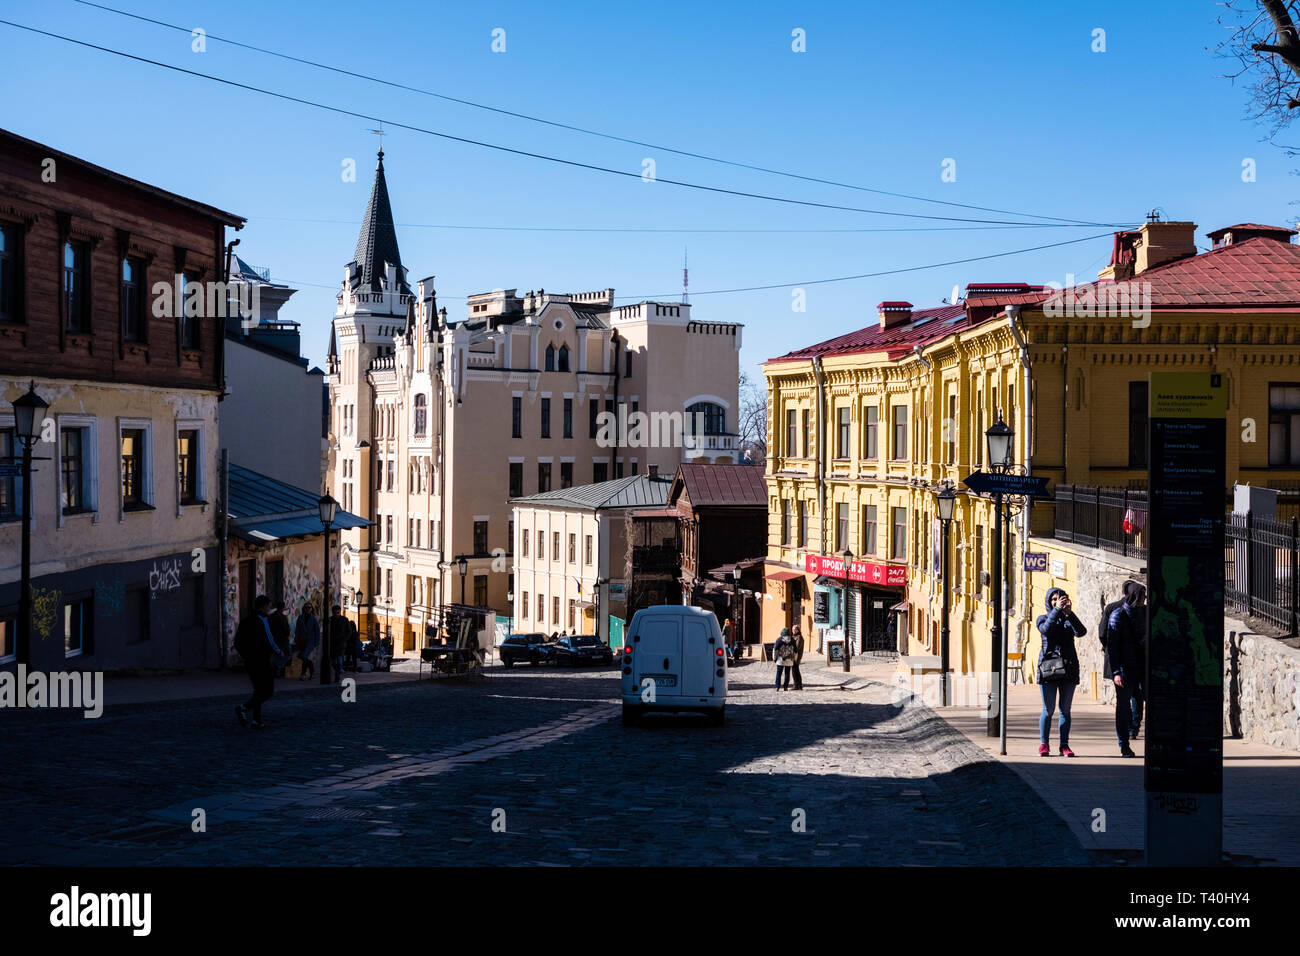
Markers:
point(867, 427)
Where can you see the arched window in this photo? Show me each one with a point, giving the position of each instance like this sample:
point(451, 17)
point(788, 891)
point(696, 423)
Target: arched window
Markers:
point(550, 358)
point(419, 415)
point(714, 418)
point(564, 358)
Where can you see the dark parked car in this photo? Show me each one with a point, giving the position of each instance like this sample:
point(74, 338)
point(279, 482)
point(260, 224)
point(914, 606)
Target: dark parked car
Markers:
point(583, 649)
point(525, 649)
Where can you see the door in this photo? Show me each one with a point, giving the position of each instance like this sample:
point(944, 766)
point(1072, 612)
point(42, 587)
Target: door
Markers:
point(698, 659)
point(852, 607)
point(659, 654)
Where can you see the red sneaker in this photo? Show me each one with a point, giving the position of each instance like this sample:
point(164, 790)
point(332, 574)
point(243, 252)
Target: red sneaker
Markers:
point(1067, 752)
point(1044, 750)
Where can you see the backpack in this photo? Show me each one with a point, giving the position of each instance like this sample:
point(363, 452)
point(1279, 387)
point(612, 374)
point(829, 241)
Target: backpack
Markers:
point(1104, 626)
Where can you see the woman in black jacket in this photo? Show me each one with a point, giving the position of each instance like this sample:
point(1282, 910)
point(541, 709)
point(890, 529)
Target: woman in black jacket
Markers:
point(1059, 627)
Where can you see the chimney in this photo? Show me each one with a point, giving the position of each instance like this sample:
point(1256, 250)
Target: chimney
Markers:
point(1161, 242)
point(894, 314)
point(1228, 235)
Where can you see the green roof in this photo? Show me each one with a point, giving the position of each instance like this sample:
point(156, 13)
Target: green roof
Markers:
point(634, 491)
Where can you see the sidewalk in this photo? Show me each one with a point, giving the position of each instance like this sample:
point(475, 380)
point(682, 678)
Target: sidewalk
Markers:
point(199, 684)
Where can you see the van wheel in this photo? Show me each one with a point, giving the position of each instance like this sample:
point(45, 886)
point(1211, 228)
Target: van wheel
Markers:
point(534, 662)
point(508, 663)
point(631, 714)
point(717, 718)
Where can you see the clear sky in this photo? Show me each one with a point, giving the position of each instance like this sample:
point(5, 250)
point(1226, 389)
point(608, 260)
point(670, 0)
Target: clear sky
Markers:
point(1011, 92)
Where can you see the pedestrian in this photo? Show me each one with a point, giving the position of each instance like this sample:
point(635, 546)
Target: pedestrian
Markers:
point(784, 654)
point(796, 635)
point(307, 631)
point(729, 640)
point(337, 639)
point(353, 645)
point(282, 631)
point(256, 645)
point(1058, 667)
point(1125, 663)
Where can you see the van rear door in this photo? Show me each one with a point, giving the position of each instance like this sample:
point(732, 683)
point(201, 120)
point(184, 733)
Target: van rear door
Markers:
point(697, 659)
point(659, 654)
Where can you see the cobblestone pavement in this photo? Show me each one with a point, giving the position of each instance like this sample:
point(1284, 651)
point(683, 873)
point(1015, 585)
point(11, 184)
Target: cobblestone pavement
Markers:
point(528, 767)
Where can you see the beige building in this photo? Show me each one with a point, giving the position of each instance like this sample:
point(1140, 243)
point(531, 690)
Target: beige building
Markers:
point(437, 425)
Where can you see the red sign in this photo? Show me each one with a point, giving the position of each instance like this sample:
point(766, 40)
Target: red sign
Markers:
point(865, 572)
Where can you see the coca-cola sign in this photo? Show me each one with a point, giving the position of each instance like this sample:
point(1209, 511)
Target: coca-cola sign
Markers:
point(863, 572)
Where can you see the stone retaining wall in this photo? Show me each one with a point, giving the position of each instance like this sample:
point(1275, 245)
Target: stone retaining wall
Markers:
point(1261, 684)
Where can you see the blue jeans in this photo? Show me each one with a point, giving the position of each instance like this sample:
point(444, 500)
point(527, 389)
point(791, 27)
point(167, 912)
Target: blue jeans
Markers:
point(1050, 692)
point(781, 670)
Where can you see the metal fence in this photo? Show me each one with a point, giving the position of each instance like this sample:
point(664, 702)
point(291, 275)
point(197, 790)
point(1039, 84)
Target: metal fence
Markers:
point(1100, 516)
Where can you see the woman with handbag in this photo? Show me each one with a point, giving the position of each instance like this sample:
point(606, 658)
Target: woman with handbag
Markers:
point(1058, 667)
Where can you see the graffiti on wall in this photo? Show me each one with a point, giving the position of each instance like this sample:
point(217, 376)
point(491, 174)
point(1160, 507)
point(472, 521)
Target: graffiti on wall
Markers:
point(45, 611)
point(301, 584)
point(109, 597)
point(165, 576)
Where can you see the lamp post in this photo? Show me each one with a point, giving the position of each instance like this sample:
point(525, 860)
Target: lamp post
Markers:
point(462, 565)
point(946, 499)
point(358, 599)
point(999, 438)
point(847, 555)
point(328, 510)
point(28, 412)
point(735, 606)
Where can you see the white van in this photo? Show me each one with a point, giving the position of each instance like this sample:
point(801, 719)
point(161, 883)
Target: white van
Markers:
point(674, 660)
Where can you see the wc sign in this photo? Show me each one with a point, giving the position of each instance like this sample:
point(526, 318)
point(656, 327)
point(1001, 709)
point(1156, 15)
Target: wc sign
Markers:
point(1035, 561)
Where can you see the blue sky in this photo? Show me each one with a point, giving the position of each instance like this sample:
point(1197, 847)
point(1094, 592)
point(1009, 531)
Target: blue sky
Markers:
point(1035, 121)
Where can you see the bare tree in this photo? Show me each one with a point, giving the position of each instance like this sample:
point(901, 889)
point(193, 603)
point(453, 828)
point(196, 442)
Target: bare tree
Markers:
point(1264, 41)
point(752, 424)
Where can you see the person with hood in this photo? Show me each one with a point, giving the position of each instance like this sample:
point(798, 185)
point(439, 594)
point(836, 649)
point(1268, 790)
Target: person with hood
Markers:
point(1125, 662)
point(784, 655)
point(1059, 628)
point(796, 636)
point(307, 631)
point(256, 645)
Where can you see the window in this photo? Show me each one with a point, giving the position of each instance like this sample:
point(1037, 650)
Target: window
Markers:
point(978, 437)
point(75, 289)
point(541, 609)
point(803, 524)
point(618, 468)
point(543, 477)
point(523, 542)
point(593, 411)
point(566, 474)
point(388, 530)
point(587, 550)
point(9, 272)
point(388, 584)
point(1011, 563)
point(480, 590)
point(564, 358)
point(546, 418)
point(573, 613)
point(979, 559)
point(555, 545)
point(187, 465)
point(550, 358)
point(132, 298)
point(420, 416)
point(480, 537)
point(392, 473)
point(807, 435)
point(600, 471)
point(555, 610)
point(950, 432)
point(712, 416)
point(523, 606)
point(78, 626)
point(872, 413)
point(573, 549)
point(792, 432)
point(1137, 424)
point(410, 532)
point(274, 588)
point(8, 634)
point(899, 552)
point(568, 418)
point(627, 364)
point(541, 545)
point(900, 433)
point(785, 521)
point(516, 417)
point(868, 529)
point(134, 463)
point(510, 540)
point(190, 338)
point(192, 600)
point(11, 489)
point(842, 447)
point(841, 526)
point(516, 479)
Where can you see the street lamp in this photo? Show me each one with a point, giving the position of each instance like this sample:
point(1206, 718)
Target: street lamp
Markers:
point(999, 438)
point(847, 555)
point(462, 565)
point(359, 598)
point(328, 510)
point(946, 499)
point(28, 413)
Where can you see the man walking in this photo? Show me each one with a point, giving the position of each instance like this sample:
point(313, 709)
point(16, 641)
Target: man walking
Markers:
point(1125, 663)
point(307, 630)
point(783, 653)
point(796, 635)
point(337, 639)
point(254, 643)
point(282, 631)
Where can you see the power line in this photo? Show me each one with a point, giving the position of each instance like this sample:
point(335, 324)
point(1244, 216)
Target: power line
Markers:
point(519, 152)
point(570, 127)
point(656, 229)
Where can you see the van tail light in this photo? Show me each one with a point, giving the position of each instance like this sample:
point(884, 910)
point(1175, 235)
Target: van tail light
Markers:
point(719, 652)
point(627, 648)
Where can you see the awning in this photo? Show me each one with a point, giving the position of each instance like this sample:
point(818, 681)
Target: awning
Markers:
point(902, 606)
point(783, 575)
point(274, 528)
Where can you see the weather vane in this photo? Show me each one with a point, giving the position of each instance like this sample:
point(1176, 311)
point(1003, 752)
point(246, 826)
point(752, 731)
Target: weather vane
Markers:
point(380, 133)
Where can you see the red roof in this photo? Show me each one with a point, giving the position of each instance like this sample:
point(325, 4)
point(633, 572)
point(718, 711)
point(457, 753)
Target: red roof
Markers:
point(712, 485)
point(927, 325)
point(1279, 231)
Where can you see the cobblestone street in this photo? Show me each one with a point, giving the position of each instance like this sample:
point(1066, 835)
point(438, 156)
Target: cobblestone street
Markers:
point(417, 772)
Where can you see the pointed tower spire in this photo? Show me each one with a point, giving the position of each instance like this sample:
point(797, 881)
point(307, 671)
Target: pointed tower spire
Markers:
point(408, 334)
point(377, 243)
point(334, 345)
point(686, 277)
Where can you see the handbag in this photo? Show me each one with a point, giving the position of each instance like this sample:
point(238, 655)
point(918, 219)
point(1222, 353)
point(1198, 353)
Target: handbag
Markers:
point(1051, 670)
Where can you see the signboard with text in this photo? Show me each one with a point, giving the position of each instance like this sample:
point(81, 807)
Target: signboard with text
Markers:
point(862, 572)
point(1035, 561)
